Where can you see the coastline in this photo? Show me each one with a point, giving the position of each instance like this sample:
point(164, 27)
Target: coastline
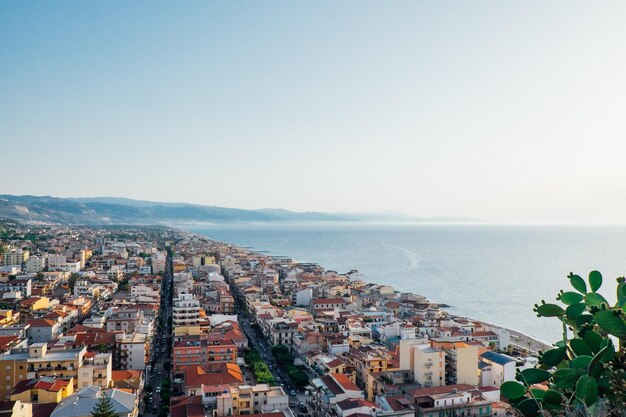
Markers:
point(517, 339)
point(523, 341)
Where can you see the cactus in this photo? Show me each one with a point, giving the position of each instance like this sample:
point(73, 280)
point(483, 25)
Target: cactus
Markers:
point(584, 373)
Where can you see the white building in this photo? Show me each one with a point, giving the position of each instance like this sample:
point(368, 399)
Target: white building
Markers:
point(96, 370)
point(186, 310)
point(132, 350)
point(303, 297)
point(496, 369)
point(36, 264)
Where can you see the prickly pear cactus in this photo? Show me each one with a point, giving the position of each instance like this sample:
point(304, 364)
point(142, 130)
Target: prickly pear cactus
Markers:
point(585, 371)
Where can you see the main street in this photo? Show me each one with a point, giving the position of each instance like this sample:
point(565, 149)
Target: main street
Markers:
point(162, 343)
point(260, 343)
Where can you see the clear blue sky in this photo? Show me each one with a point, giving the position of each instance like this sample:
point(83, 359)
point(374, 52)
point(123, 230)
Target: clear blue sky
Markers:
point(503, 110)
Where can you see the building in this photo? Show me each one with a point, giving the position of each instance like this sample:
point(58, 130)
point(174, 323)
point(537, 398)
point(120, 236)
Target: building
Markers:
point(42, 390)
point(124, 319)
point(329, 390)
point(30, 306)
point(462, 364)
point(325, 304)
point(281, 331)
point(37, 361)
point(251, 399)
point(303, 297)
point(23, 284)
point(130, 379)
point(157, 261)
point(427, 364)
point(225, 374)
point(185, 310)
point(15, 256)
point(96, 370)
point(356, 406)
point(42, 330)
point(450, 400)
point(132, 350)
point(496, 369)
point(81, 403)
point(203, 352)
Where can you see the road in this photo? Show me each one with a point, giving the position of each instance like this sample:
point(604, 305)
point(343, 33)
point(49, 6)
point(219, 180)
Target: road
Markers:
point(162, 343)
point(260, 343)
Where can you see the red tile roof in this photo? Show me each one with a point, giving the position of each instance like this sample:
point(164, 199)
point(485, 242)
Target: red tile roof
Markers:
point(345, 382)
point(224, 374)
point(46, 383)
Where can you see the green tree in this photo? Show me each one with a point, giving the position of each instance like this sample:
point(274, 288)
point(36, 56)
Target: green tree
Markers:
point(104, 407)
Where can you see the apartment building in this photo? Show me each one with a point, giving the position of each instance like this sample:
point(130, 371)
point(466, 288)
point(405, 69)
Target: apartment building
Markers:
point(37, 361)
point(36, 264)
point(203, 352)
point(96, 370)
point(42, 390)
point(185, 310)
point(251, 399)
point(124, 319)
point(157, 261)
point(132, 351)
point(23, 284)
point(331, 389)
point(15, 256)
point(281, 331)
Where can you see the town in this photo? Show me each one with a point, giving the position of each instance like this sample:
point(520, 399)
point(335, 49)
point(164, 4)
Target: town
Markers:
point(164, 322)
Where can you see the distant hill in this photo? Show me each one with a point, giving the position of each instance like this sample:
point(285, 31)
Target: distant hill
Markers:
point(114, 210)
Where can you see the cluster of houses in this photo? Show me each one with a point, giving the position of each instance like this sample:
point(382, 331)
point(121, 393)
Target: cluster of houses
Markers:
point(369, 350)
point(78, 312)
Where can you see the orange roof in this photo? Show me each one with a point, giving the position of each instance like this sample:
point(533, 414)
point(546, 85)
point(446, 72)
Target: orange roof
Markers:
point(345, 382)
point(7, 340)
point(47, 384)
point(41, 322)
point(125, 374)
point(225, 374)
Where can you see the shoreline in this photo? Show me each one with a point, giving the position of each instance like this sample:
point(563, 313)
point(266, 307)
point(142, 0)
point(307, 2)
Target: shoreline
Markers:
point(517, 338)
point(521, 340)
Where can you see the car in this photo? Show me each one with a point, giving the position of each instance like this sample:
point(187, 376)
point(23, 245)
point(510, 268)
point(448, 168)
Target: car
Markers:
point(292, 392)
point(158, 389)
point(292, 403)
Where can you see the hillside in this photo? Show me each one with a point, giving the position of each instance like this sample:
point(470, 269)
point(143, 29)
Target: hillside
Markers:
point(111, 210)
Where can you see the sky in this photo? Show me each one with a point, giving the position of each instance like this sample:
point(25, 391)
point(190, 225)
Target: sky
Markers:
point(507, 111)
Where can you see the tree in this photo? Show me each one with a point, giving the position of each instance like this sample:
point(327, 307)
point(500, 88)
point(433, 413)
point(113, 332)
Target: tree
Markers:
point(104, 407)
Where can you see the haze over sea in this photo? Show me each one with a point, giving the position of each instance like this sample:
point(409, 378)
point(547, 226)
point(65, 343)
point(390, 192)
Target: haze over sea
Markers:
point(488, 272)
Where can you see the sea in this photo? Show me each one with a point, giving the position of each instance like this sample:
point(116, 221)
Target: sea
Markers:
point(494, 273)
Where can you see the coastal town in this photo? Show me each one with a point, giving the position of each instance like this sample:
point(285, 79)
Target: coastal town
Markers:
point(155, 321)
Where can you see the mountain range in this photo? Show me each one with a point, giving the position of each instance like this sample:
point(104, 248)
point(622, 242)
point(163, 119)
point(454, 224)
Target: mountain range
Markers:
point(115, 210)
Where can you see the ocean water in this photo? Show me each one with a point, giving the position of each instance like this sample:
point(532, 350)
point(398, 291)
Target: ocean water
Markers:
point(487, 272)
